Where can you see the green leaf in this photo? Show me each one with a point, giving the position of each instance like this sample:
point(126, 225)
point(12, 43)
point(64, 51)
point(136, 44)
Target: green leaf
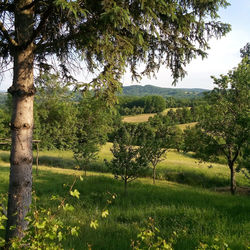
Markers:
point(2, 242)
point(68, 207)
point(3, 217)
point(94, 224)
point(40, 225)
point(74, 231)
point(75, 193)
point(59, 236)
point(105, 213)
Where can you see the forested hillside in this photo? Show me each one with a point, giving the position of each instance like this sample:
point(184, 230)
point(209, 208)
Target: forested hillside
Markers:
point(138, 90)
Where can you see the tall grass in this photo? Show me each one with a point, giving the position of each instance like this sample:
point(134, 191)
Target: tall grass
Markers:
point(196, 214)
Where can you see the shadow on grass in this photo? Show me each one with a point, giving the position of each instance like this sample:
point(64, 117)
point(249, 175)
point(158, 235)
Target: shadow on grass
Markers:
point(218, 160)
point(193, 178)
point(56, 162)
point(94, 188)
point(202, 214)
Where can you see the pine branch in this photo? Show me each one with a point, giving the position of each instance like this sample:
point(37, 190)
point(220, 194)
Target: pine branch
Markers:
point(6, 35)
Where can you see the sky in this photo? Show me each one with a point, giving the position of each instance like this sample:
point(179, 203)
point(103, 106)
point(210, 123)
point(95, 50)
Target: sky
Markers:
point(222, 57)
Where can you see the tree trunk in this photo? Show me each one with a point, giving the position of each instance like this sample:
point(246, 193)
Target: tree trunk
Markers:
point(232, 182)
point(22, 90)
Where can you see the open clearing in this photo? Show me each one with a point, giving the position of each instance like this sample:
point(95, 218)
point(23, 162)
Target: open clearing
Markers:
point(190, 214)
point(143, 117)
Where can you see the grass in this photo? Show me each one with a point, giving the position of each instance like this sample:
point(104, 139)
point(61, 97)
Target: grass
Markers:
point(177, 167)
point(185, 125)
point(185, 169)
point(137, 118)
point(143, 117)
point(197, 214)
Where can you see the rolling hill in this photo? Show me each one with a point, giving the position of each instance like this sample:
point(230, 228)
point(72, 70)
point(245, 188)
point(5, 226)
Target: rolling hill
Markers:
point(138, 90)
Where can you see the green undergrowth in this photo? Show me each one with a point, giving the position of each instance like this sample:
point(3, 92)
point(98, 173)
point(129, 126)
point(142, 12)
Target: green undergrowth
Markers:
point(196, 215)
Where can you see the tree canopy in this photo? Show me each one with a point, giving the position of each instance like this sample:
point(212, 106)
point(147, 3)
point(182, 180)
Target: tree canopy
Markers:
point(111, 35)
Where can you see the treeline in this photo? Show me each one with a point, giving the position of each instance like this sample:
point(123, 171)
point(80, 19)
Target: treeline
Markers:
point(62, 121)
point(132, 105)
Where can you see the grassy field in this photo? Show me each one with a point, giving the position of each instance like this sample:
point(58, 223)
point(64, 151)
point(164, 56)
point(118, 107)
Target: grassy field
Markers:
point(196, 214)
point(185, 169)
point(183, 126)
point(143, 117)
point(137, 118)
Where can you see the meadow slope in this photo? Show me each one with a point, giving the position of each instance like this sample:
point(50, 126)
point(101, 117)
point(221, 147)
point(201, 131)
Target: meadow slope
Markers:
point(194, 214)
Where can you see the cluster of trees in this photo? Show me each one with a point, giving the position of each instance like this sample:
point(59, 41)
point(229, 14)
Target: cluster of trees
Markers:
point(129, 105)
point(137, 147)
point(133, 105)
point(61, 122)
point(179, 115)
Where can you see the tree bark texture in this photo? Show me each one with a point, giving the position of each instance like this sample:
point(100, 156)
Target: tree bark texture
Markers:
point(22, 90)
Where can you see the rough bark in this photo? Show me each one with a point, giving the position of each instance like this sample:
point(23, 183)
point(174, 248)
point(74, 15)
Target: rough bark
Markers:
point(22, 90)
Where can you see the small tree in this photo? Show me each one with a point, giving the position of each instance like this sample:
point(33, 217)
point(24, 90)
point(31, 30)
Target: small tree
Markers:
point(129, 161)
point(92, 126)
point(226, 123)
point(156, 143)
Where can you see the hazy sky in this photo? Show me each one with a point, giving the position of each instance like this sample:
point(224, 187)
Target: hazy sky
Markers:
point(223, 55)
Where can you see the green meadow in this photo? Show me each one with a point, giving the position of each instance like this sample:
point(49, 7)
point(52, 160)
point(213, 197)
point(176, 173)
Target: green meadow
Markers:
point(190, 202)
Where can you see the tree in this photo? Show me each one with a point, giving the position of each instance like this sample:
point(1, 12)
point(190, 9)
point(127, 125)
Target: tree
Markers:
point(109, 36)
point(226, 123)
point(245, 51)
point(94, 122)
point(154, 104)
point(129, 161)
point(155, 145)
point(55, 112)
point(176, 138)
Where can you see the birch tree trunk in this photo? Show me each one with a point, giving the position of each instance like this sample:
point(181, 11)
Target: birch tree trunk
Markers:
point(22, 91)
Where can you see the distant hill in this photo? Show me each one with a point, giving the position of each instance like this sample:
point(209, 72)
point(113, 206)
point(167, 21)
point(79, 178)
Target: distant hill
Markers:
point(138, 90)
